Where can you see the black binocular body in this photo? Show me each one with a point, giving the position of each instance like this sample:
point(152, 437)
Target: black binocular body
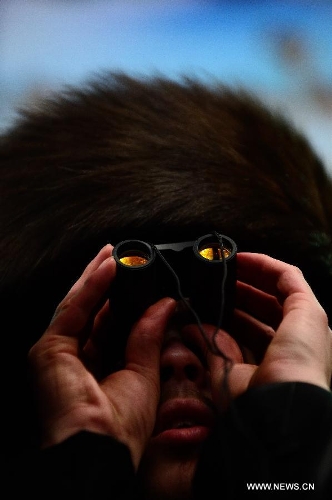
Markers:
point(201, 271)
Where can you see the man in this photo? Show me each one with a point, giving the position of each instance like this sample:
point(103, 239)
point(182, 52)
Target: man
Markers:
point(161, 161)
point(131, 434)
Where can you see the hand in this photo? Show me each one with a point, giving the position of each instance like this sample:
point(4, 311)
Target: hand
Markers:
point(69, 395)
point(280, 320)
point(280, 305)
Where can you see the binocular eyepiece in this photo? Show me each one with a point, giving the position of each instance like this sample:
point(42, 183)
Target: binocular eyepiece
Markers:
point(202, 271)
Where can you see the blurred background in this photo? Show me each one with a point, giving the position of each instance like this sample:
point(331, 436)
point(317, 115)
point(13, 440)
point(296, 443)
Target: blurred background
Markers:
point(281, 50)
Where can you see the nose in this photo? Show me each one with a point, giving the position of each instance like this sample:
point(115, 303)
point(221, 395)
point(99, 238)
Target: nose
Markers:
point(179, 363)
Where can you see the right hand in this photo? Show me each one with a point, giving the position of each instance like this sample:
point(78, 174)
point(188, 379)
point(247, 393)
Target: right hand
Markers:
point(70, 396)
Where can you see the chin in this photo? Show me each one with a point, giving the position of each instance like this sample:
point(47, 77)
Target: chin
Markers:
point(167, 475)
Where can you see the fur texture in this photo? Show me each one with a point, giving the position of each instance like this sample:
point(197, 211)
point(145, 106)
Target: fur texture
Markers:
point(157, 160)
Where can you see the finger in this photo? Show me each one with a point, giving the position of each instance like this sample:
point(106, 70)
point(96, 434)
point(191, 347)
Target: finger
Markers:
point(301, 348)
point(208, 338)
point(102, 255)
point(226, 386)
point(96, 345)
point(251, 333)
point(77, 309)
point(145, 341)
point(304, 320)
point(271, 276)
point(260, 305)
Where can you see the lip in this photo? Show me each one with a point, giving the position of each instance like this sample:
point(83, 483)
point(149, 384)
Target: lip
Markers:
point(198, 417)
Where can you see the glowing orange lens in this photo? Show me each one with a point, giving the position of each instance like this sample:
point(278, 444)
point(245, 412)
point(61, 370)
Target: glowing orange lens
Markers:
point(214, 252)
point(134, 260)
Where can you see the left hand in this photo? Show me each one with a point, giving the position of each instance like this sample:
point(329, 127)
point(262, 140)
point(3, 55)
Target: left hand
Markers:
point(70, 396)
point(281, 321)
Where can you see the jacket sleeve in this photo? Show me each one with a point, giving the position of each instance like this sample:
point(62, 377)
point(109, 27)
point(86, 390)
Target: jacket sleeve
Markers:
point(86, 466)
point(275, 438)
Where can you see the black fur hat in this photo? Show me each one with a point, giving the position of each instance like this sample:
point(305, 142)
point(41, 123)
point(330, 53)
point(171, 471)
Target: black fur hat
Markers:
point(158, 160)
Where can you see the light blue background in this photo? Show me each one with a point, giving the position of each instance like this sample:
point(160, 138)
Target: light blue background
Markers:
point(282, 50)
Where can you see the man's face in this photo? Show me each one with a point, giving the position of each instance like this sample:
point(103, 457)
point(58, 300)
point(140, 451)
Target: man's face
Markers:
point(186, 412)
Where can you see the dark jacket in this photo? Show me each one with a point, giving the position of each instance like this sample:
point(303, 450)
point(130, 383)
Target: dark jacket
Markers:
point(274, 442)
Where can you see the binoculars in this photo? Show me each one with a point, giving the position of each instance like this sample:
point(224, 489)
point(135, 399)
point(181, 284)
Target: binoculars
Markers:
point(201, 271)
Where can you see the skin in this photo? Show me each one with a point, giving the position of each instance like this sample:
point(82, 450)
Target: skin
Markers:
point(277, 318)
